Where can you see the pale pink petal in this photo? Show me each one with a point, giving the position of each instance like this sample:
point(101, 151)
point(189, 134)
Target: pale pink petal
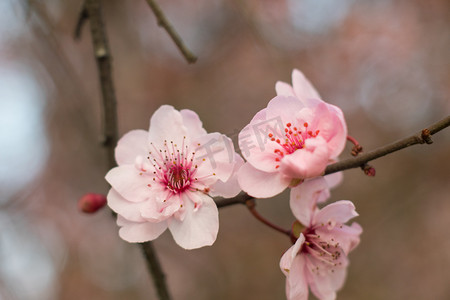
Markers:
point(192, 123)
point(347, 237)
point(284, 89)
point(200, 226)
point(324, 286)
point(139, 232)
point(334, 179)
point(296, 283)
point(302, 87)
point(305, 196)
point(332, 129)
point(261, 184)
point(214, 155)
point(307, 162)
point(338, 212)
point(161, 207)
point(166, 124)
point(129, 210)
point(283, 109)
point(231, 187)
point(131, 145)
point(290, 254)
point(129, 183)
point(256, 146)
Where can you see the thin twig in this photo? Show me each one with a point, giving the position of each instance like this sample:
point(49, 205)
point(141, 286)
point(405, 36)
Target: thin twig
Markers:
point(103, 59)
point(251, 205)
point(239, 199)
point(422, 137)
point(164, 22)
point(155, 268)
point(82, 18)
point(92, 9)
point(418, 138)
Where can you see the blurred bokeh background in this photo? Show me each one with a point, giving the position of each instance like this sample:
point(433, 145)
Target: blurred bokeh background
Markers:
point(385, 63)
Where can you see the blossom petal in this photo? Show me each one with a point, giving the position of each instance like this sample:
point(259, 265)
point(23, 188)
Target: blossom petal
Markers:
point(302, 87)
point(346, 236)
point(332, 129)
point(231, 187)
point(215, 155)
point(129, 210)
point(283, 108)
point(338, 212)
point(324, 286)
point(290, 254)
point(200, 226)
point(131, 145)
point(192, 123)
point(261, 184)
point(307, 162)
point(128, 182)
point(139, 232)
point(256, 146)
point(305, 196)
point(284, 89)
point(296, 282)
point(334, 179)
point(167, 124)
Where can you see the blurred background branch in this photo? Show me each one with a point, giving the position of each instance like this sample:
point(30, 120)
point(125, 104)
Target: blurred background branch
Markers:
point(92, 11)
point(165, 23)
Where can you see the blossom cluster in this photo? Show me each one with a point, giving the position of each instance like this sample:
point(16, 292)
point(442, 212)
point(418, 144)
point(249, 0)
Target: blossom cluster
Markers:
point(166, 178)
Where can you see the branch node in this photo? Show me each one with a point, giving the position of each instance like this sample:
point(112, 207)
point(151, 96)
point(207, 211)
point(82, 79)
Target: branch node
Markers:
point(356, 150)
point(426, 136)
point(250, 203)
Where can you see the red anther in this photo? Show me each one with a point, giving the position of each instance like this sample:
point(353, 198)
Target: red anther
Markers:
point(277, 159)
point(270, 135)
point(272, 139)
point(277, 166)
point(91, 203)
point(278, 140)
point(286, 130)
point(288, 124)
point(305, 124)
point(310, 132)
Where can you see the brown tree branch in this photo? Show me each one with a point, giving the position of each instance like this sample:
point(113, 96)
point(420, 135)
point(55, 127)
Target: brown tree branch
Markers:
point(92, 10)
point(164, 23)
point(422, 137)
point(103, 59)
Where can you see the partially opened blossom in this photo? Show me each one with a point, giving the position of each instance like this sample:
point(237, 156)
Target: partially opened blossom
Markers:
point(292, 139)
point(165, 177)
point(318, 259)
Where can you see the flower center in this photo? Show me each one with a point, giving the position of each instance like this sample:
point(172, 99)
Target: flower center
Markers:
point(326, 255)
point(174, 167)
point(293, 140)
point(178, 178)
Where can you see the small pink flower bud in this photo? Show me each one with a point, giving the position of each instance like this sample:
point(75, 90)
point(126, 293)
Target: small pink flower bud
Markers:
point(91, 203)
point(369, 171)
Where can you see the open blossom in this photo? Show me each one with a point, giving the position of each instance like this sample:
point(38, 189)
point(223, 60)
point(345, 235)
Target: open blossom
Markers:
point(318, 259)
point(292, 139)
point(165, 177)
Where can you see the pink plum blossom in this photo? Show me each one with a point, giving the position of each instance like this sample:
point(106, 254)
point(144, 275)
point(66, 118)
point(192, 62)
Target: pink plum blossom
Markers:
point(292, 139)
point(318, 259)
point(166, 176)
